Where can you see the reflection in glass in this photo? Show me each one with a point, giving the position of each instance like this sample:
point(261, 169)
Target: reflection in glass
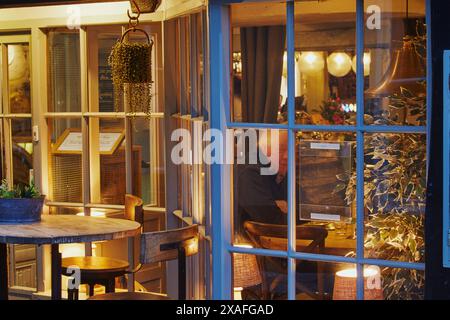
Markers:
point(64, 71)
point(260, 183)
point(316, 280)
point(325, 163)
point(105, 85)
point(396, 92)
point(325, 85)
point(147, 135)
point(66, 171)
point(111, 165)
point(258, 46)
point(19, 78)
point(258, 277)
point(22, 150)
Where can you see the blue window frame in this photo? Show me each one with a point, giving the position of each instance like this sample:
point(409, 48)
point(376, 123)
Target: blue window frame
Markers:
point(220, 118)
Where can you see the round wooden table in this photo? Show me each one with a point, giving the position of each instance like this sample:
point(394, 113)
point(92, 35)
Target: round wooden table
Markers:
point(59, 229)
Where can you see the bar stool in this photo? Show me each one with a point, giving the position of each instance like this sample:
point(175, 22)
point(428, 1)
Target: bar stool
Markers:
point(103, 270)
point(162, 246)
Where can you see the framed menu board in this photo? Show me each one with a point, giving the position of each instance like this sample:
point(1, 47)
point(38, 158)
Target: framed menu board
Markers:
point(70, 142)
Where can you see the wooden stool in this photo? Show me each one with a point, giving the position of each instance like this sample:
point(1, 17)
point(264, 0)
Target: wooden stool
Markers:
point(103, 270)
point(95, 270)
point(159, 247)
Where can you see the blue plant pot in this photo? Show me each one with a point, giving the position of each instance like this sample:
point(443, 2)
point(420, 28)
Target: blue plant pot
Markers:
point(21, 210)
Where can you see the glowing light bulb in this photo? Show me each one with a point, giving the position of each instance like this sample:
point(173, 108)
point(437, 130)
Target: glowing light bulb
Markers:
point(311, 62)
point(339, 64)
point(366, 61)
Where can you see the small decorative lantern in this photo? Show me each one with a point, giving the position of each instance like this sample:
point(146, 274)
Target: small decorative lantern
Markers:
point(246, 272)
point(345, 284)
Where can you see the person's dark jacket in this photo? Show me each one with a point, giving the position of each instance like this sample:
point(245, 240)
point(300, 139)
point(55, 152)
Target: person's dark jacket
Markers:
point(256, 195)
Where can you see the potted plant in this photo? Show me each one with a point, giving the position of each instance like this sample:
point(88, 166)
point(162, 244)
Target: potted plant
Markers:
point(398, 235)
point(21, 203)
point(131, 65)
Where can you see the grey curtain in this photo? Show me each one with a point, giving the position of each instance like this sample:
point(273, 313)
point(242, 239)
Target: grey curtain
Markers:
point(262, 51)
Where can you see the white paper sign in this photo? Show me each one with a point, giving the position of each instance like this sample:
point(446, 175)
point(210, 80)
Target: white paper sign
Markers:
point(325, 146)
point(325, 216)
point(108, 140)
point(73, 142)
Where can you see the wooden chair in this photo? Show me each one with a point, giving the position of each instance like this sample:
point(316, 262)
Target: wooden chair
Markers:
point(103, 270)
point(163, 246)
point(266, 236)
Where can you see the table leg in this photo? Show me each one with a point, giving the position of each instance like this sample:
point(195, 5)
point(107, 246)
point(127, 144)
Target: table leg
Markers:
point(56, 272)
point(131, 277)
point(3, 272)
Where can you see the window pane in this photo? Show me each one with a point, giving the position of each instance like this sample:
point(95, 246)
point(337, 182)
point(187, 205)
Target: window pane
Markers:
point(187, 179)
point(66, 171)
point(147, 146)
point(395, 196)
point(19, 78)
point(105, 86)
point(325, 84)
point(259, 277)
point(260, 188)
point(258, 45)
point(317, 280)
point(185, 63)
point(395, 64)
point(109, 161)
point(64, 71)
point(402, 284)
point(22, 150)
point(325, 169)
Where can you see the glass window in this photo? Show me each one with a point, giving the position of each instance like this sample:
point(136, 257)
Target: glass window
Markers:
point(395, 65)
point(146, 136)
point(22, 150)
point(19, 78)
point(359, 192)
point(325, 83)
point(64, 71)
point(260, 182)
point(259, 277)
point(325, 169)
point(66, 174)
point(105, 85)
point(258, 47)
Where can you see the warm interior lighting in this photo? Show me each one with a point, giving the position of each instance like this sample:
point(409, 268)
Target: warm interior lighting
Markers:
point(311, 62)
point(246, 271)
point(94, 213)
point(345, 284)
point(351, 273)
point(339, 64)
point(27, 146)
point(11, 54)
point(366, 61)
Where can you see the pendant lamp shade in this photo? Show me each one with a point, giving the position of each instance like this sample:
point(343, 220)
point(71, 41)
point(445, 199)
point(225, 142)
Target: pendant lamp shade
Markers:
point(406, 71)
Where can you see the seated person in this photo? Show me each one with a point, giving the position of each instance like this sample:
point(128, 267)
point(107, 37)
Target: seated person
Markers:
point(262, 198)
